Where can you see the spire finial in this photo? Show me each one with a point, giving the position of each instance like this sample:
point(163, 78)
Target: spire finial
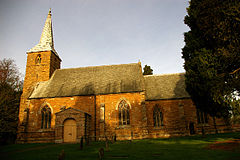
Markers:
point(49, 12)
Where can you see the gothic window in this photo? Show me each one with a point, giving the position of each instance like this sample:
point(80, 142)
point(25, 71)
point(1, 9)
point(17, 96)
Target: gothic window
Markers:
point(201, 117)
point(123, 113)
point(46, 117)
point(38, 59)
point(157, 117)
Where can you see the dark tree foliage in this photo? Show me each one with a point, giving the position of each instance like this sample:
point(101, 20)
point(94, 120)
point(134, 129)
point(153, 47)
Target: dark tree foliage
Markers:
point(212, 54)
point(10, 92)
point(147, 70)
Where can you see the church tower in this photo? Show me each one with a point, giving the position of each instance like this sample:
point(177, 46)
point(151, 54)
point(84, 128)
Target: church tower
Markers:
point(42, 59)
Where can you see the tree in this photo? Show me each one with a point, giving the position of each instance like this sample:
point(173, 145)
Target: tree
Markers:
point(236, 112)
point(212, 54)
point(235, 106)
point(147, 70)
point(10, 92)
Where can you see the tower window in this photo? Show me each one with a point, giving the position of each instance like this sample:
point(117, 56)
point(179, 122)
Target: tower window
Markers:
point(38, 59)
point(123, 113)
point(157, 117)
point(46, 118)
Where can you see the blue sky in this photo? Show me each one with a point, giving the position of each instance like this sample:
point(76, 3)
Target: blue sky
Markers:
point(98, 32)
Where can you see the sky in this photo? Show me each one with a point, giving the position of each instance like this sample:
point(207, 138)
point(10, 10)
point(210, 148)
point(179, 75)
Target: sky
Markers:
point(98, 32)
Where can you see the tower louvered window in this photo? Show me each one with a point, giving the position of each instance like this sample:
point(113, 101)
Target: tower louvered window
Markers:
point(157, 117)
point(123, 113)
point(38, 59)
point(46, 118)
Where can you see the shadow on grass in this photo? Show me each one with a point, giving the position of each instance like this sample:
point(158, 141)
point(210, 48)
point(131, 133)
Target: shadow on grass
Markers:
point(192, 147)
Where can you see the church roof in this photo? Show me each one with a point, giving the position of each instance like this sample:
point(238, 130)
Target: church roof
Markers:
point(166, 86)
point(46, 41)
point(96, 80)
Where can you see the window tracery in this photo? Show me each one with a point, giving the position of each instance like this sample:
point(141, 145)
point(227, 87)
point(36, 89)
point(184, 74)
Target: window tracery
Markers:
point(46, 117)
point(123, 113)
point(157, 117)
point(202, 117)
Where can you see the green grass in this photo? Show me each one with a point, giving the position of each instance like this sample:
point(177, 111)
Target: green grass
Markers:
point(179, 148)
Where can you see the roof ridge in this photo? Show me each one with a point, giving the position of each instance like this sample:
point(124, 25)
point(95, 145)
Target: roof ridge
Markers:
point(100, 66)
point(165, 74)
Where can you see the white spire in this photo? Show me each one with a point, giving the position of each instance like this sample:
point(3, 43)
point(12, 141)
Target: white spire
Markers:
point(46, 41)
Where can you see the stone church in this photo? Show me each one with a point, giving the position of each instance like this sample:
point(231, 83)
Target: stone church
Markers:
point(98, 102)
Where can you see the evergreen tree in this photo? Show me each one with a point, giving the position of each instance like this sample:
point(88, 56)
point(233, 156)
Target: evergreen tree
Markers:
point(147, 70)
point(212, 54)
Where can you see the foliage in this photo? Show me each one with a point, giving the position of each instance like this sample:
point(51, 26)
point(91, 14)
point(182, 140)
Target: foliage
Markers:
point(182, 148)
point(236, 112)
point(212, 54)
point(147, 70)
point(10, 92)
point(9, 74)
point(235, 105)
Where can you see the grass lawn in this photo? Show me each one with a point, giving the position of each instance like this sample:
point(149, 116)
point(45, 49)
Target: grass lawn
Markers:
point(179, 148)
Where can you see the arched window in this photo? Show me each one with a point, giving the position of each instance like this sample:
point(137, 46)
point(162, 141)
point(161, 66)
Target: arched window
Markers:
point(38, 59)
point(123, 113)
point(46, 117)
point(157, 117)
point(202, 117)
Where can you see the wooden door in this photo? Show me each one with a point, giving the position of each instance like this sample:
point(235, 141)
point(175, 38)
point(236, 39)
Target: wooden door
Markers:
point(70, 130)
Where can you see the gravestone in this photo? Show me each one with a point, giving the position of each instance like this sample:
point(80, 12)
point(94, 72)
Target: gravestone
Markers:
point(115, 138)
point(107, 145)
point(81, 143)
point(131, 135)
point(87, 141)
point(61, 155)
point(101, 153)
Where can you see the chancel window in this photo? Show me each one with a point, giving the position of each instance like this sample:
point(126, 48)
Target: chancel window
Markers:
point(201, 117)
point(157, 117)
point(123, 113)
point(38, 59)
point(46, 118)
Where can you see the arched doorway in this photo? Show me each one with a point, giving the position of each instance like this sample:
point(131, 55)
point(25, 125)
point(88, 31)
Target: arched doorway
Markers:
point(70, 130)
point(191, 128)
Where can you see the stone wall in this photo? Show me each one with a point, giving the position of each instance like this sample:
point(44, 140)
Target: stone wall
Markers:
point(177, 116)
point(36, 137)
point(110, 126)
point(36, 72)
point(98, 129)
point(84, 103)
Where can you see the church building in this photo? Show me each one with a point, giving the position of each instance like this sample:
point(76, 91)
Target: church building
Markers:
point(98, 102)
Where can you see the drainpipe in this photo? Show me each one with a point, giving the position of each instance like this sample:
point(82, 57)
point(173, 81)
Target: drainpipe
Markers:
point(95, 119)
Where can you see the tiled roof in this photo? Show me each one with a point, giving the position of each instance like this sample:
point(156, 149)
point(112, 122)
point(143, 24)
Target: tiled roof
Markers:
point(166, 86)
point(96, 80)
